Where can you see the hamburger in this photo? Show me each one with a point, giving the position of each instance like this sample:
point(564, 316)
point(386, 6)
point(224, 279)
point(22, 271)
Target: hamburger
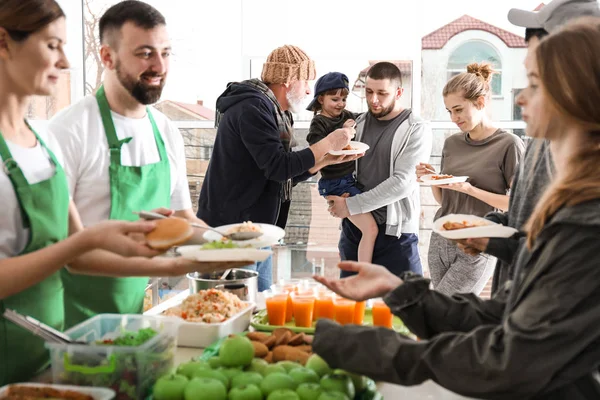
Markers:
point(169, 232)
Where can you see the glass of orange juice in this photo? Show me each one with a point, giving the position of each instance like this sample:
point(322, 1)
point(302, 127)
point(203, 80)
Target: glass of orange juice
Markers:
point(343, 310)
point(289, 289)
point(324, 304)
point(276, 302)
point(359, 313)
point(304, 307)
point(382, 315)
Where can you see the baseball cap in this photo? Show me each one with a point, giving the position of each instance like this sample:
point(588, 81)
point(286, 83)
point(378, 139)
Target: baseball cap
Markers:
point(554, 14)
point(329, 81)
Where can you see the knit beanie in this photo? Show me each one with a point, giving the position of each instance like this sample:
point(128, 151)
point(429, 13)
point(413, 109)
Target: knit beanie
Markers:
point(286, 64)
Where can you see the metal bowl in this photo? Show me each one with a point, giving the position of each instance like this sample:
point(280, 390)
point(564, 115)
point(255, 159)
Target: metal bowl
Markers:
point(242, 282)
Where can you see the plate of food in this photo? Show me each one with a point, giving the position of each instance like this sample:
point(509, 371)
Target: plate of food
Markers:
point(461, 226)
point(441, 179)
point(61, 392)
point(207, 315)
point(271, 234)
point(352, 148)
point(220, 250)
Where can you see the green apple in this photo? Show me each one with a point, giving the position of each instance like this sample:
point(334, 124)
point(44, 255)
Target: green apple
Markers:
point(236, 351)
point(283, 394)
point(274, 368)
point(188, 368)
point(246, 378)
point(338, 383)
point(359, 381)
point(289, 365)
point(213, 374)
point(333, 396)
point(304, 375)
point(230, 372)
point(309, 391)
point(257, 365)
point(214, 362)
point(205, 388)
point(246, 392)
point(317, 364)
point(276, 380)
point(170, 387)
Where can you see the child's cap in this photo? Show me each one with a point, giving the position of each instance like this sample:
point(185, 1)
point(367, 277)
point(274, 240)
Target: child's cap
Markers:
point(329, 81)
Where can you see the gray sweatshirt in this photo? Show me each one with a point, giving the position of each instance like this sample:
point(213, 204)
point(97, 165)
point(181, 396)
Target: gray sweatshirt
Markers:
point(536, 340)
point(529, 183)
point(398, 191)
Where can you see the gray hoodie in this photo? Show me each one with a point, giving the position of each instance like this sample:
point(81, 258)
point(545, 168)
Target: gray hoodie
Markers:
point(538, 341)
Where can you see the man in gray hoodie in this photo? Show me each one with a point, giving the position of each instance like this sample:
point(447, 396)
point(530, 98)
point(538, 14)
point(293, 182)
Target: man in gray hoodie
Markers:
point(398, 141)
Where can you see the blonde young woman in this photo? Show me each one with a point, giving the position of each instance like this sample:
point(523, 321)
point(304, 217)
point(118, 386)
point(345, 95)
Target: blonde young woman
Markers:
point(37, 217)
point(489, 157)
point(540, 338)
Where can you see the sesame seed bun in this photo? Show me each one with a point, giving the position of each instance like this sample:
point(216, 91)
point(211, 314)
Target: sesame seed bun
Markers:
point(169, 232)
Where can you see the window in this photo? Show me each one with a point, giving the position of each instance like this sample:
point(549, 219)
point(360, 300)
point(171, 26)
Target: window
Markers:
point(476, 51)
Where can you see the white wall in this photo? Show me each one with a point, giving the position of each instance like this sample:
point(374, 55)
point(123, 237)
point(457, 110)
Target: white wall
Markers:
point(74, 47)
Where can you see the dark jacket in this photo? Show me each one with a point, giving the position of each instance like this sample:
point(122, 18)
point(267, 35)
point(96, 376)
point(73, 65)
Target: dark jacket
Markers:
point(249, 163)
point(320, 127)
point(541, 341)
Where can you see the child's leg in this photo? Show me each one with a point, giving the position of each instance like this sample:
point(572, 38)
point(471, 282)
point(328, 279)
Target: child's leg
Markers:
point(367, 225)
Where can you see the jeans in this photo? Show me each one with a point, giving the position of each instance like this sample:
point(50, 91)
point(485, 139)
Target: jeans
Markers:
point(265, 272)
point(398, 255)
point(338, 186)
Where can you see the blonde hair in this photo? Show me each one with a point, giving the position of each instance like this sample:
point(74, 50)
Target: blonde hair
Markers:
point(473, 84)
point(569, 69)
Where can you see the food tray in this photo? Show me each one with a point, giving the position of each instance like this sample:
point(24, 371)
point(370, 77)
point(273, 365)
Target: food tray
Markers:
point(199, 334)
point(96, 393)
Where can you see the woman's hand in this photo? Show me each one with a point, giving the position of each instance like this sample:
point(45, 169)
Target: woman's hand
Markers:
point(424, 169)
point(120, 237)
point(463, 187)
point(371, 281)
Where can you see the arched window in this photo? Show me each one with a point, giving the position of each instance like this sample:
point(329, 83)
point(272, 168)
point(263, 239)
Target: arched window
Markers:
point(476, 51)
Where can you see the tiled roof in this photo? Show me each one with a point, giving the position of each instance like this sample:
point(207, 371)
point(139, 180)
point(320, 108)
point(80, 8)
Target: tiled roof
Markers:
point(438, 38)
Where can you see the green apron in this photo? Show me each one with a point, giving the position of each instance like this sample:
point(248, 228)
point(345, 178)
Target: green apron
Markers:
point(45, 210)
point(131, 189)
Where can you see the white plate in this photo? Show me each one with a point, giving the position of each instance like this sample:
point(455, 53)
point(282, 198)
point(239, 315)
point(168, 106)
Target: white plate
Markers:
point(196, 253)
point(492, 230)
point(96, 392)
point(200, 334)
point(357, 148)
point(271, 235)
point(428, 181)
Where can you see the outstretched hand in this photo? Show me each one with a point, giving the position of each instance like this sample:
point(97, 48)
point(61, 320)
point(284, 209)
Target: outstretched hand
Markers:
point(370, 281)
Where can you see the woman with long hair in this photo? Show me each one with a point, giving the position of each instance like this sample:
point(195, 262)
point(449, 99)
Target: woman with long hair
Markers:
point(538, 339)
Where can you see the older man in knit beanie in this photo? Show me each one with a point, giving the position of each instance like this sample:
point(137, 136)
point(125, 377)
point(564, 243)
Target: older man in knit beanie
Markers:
point(252, 168)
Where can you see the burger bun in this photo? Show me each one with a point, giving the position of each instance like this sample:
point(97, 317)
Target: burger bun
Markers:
point(169, 232)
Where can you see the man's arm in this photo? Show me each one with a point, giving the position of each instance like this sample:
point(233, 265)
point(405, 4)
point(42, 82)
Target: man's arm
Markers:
point(397, 186)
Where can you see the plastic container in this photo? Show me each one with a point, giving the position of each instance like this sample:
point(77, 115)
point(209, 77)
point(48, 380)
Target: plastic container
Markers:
point(344, 310)
point(277, 305)
point(304, 306)
point(200, 334)
point(382, 315)
point(95, 393)
point(129, 370)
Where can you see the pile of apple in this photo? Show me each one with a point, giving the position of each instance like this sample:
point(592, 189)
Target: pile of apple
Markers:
point(236, 375)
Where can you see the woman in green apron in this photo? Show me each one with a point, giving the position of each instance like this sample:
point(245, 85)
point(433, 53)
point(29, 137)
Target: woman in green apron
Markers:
point(37, 216)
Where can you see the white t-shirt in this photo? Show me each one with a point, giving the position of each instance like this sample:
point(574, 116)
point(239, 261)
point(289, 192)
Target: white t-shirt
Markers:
point(36, 166)
point(80, 134)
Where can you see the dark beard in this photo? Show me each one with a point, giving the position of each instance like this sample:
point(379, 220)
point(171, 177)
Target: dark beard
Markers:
point(383, 112)
point(141, 92)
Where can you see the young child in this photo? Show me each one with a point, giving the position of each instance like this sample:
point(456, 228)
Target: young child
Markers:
point(329, 106)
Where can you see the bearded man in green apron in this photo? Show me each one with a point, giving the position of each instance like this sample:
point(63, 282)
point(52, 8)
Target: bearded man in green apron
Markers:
point(120, 155)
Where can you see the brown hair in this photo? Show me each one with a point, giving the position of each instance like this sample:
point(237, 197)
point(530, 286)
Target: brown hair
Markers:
point(317, 107)
point(569, 69)
point(473, 84)
point(21, 18)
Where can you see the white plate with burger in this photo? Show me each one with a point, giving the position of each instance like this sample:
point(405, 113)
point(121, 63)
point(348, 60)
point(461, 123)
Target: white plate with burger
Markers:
point(271, 234)
point(462, 226)
point(218, 250)
point(441, 179)
point(351, 149)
